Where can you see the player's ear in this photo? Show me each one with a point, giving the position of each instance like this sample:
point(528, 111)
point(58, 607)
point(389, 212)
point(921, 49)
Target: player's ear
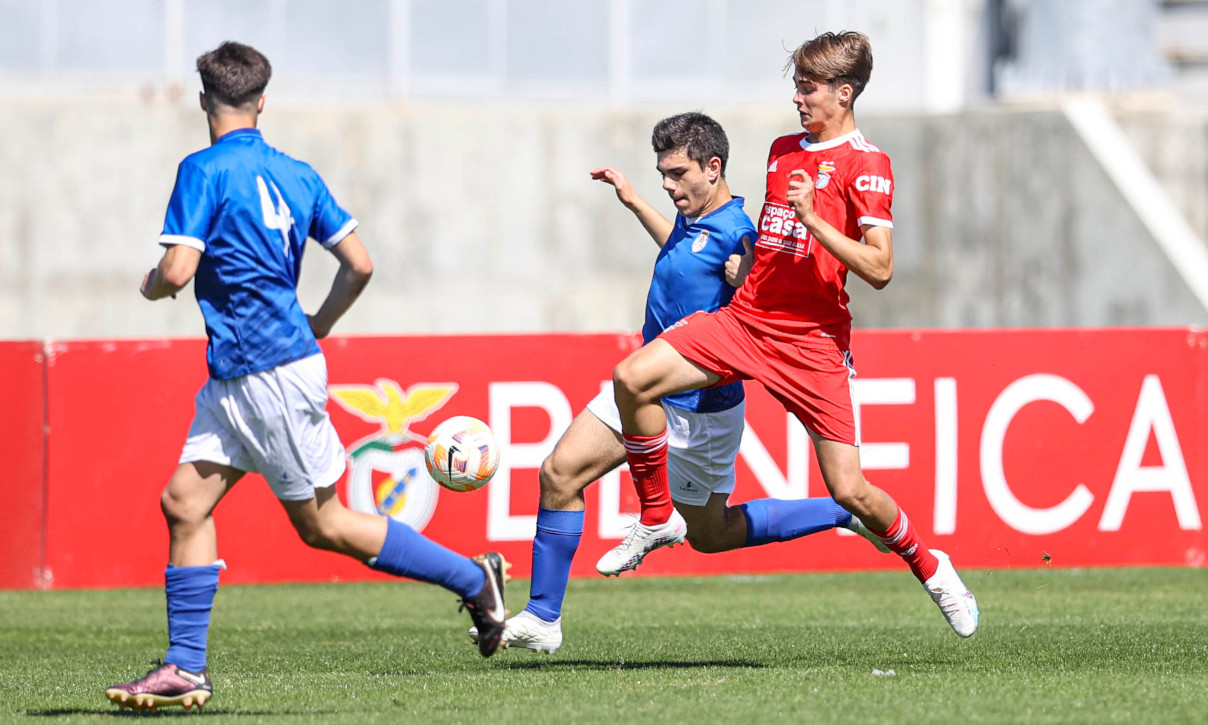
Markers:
point(845, 93)
point(713, 168)
point(201, 99)
point(260, 103)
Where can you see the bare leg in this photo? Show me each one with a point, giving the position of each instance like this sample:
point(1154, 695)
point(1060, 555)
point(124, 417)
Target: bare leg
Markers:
point(588, 450)
point(324, 522)
point(714, 527)
point(644, 377)
point(840, 466)
point(188, 503)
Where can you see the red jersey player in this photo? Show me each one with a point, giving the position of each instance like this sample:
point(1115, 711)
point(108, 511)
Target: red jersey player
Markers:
point(826, 212)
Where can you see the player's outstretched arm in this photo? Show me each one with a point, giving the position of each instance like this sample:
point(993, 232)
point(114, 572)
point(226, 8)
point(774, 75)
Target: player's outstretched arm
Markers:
point(175, 269)
point(657, 226)
point(355, 270)
point(871, 261)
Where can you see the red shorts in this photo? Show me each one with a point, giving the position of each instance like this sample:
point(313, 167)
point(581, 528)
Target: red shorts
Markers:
point(809, 374)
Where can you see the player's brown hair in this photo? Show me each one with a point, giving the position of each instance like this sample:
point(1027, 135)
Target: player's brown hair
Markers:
point(234, 74)
point(700, 137)
point(835, 59)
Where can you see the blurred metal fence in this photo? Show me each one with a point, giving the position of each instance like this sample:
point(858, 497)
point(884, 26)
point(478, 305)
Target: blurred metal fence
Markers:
point(618, 52)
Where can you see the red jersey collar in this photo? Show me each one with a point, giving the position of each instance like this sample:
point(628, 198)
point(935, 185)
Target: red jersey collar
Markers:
point(837, 141)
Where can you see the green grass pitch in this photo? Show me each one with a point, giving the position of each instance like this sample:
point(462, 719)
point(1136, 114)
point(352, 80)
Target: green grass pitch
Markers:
point(1109, 645)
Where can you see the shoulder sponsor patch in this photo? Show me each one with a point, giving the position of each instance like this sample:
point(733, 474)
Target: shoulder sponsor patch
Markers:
point(878, 184)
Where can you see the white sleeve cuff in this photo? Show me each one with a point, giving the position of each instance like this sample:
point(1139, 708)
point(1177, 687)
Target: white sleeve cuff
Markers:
point(875, 222)
point(344, 231)
point(171, 240)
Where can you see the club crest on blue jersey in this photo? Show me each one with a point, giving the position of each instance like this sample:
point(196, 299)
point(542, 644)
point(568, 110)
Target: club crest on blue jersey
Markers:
point(701, 240)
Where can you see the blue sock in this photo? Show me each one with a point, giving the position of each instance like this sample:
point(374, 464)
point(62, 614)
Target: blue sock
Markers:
point(411, 554)
point(554, 547)
point(772, 519)
point(190, 591)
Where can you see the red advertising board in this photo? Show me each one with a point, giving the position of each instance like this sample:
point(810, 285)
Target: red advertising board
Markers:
point(22, 548)
point(1007, 448)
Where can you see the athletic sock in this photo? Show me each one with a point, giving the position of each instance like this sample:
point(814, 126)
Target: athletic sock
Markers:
point(647, 456)
point(190, 592)
point(558, 534)
point(903, 540)
point(411, 554)
point(770, 519)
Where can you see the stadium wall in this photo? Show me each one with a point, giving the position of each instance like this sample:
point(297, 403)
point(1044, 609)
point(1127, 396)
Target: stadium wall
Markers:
point(1009, 448)
point(484, 219)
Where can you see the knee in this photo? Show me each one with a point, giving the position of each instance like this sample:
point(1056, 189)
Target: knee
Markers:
point(558, 487)
point(852, 495)
point(180, 509)
point(631, 381)
point(318, 535)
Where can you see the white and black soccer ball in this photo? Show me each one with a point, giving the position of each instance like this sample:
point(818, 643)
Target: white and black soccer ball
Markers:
point(462, 454)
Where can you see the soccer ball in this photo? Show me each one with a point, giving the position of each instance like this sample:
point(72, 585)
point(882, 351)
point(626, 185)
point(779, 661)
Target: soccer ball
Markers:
point(461, 454)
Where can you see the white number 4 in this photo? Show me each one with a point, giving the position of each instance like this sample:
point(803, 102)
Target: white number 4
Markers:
point(278, 217)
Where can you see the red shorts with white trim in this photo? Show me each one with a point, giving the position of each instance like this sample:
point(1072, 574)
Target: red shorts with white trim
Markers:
point(810, 374)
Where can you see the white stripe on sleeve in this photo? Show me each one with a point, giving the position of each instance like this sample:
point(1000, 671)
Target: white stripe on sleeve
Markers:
point(874, 221)
point(171, 240)
point(344, 231)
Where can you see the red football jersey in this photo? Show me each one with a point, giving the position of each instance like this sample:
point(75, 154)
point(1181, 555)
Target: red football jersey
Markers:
point(795, 284)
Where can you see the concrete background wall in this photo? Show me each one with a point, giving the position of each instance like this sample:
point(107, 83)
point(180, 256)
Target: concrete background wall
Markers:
point(484, 218)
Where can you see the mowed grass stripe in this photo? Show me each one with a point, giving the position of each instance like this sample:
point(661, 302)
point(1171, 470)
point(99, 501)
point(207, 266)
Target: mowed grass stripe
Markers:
point(1106, 645)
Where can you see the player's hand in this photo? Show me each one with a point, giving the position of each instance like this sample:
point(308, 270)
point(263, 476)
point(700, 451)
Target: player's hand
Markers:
point(738, 265)
point(609, 175)
point(801, 194)
point(148, 285)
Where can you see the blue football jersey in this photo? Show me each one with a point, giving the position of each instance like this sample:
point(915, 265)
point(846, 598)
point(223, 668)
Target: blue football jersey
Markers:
point(249, 208)
point(689, 276)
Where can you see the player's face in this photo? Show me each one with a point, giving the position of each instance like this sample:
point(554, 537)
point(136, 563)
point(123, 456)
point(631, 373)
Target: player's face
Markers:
point(817, 104)
point(690, 187)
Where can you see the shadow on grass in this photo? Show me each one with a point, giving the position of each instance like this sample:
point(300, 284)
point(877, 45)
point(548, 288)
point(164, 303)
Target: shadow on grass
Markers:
point(623, 665)
point(170, 712)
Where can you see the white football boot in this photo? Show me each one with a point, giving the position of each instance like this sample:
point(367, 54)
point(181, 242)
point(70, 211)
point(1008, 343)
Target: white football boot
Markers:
point(640, 541)
point(953, 597)
point(857, 526)
point(528, 631)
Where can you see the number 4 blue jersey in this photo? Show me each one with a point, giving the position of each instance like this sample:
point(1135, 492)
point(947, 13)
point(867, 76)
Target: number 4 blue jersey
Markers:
point(249, 209)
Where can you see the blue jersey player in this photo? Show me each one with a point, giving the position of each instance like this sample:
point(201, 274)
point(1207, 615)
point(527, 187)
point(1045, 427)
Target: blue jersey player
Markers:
point(237, 224)
point(703, 256)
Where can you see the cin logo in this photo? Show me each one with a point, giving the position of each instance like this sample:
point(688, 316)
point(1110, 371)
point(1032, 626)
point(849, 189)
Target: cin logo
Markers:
point(878, 184)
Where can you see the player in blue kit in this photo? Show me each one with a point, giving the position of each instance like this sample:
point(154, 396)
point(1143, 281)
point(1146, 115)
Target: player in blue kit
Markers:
point(237, 224)
point(703, 256)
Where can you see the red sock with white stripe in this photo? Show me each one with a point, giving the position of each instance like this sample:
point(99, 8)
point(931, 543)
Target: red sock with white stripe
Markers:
point(903, 540)
point(647, 456)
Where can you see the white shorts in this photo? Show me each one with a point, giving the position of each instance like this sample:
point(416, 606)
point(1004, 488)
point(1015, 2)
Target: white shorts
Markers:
point(701, 447)
point(273, 423)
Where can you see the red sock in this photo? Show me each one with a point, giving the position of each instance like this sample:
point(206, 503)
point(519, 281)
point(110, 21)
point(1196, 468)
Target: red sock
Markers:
point(903, 540)
point(647, 457)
